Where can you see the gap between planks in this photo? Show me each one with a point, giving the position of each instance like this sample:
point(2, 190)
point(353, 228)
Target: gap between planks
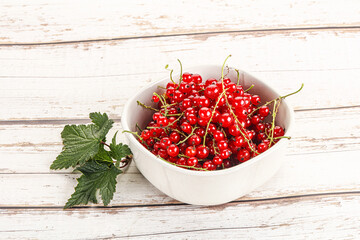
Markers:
point(86, 120)
point(291, 198)
point(269, 30)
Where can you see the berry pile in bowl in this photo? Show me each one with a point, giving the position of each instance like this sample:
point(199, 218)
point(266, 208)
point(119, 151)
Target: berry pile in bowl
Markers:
point(209, 135)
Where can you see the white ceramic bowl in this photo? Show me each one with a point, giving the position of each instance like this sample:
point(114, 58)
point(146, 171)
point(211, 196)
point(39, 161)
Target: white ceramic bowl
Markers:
point(202, 187)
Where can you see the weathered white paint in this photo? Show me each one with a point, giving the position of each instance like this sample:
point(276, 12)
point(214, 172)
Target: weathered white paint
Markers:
point(42, 21)
point(300, 174)
point(67, 81)
point(295, 218)
point(60, 81)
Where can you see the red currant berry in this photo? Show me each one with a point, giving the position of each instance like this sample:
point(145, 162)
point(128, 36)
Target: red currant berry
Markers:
point(264, 111)
point(243, 155)
point(278, 131)
point(255, 99)
point(187, 77)
point(196, 78)
point(226, 120)
point(174, 137)
point(218, 135)
point(217, 160)
point(194, 140)
point(165, 142)
point(192, 161)
point(186, 127)
point(222, 145)
point(204, 113)
point(202, 152)
point(212, 92)
point(173, 150)
point(262, 147)
point(190, 151)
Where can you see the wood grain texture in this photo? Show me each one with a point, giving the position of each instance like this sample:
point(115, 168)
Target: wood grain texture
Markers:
point(32, 148)
point(42, 21)
point(69, 81)
point(295, 218)
point(299, 175)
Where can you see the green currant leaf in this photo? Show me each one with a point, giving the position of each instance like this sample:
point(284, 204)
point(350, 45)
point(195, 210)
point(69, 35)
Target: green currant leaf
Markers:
point(119, 151)
point(102, 122)
point(103, 156)
point(96, 177)
point(82, 142)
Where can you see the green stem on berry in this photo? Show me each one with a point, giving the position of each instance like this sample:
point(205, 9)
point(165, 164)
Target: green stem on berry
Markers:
point(273, 123)
point(252, 85)
point(279, 98)
point(238, 76)
point(212, 115)
point(188, 136)
point(181, 70)
point(287, 137)
point(185, 166)
point(147, 107)
point(222, 68)
point(138, 127)
point(171, 72)
point(134, 133)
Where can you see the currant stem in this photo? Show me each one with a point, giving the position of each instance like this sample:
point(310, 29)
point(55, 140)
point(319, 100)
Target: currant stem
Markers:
point(147, 107)
point(184, 140)
point(279, 98)
point(104, 143)
point(181, 69)
point(222, 68)
point(252, 85)
point(238, 76)
point(185, 166)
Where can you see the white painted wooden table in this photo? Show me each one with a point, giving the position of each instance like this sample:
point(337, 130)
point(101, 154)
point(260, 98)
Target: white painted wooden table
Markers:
point(60, 60)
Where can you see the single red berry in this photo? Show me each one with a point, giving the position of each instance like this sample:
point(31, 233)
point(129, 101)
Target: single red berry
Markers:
point(222, 145)
point(190, 151)
point(204, 113)
point(212, 91)
point(264, 111)
point(186, 127)
point(162, 121)
point(165, 142)
point(210, 81)
point(173, 150)
point(155, 98)
point(196, 78)
point(255, 99)
point(200, 132)
point(243, 155)
point(224, 154)
point(227, 163)
point(226, 120)
point(174, 137)
point(218, 135)
point(187, 77)
point(194, 140)
point(163, 153)
point(202, 152)
point(145, 134)
point(192, 161)
point(262, 147)
point(217, 160)
point(278, 131)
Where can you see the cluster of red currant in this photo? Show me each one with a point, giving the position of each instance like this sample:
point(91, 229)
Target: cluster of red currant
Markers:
point(208, 126)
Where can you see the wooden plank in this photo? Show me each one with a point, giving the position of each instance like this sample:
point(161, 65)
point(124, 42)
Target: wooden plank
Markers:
point(311, 134)
point(296, 218)
point(299, 175)
point(48, 82)
point(42, 21)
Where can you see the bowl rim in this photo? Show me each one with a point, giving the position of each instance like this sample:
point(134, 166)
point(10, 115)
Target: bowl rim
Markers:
point(164, 163)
